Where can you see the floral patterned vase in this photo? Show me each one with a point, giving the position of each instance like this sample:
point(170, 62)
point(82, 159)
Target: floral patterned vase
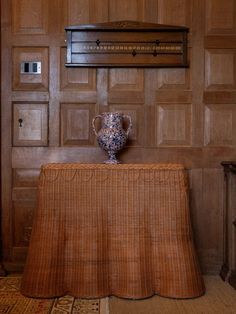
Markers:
point(112, 137)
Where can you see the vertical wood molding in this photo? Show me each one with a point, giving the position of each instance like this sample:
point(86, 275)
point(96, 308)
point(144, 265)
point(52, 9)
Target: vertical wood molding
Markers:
point(54, 92)
point(2, 269)
point(197, 70)
point(6, 134)
point(102, 87)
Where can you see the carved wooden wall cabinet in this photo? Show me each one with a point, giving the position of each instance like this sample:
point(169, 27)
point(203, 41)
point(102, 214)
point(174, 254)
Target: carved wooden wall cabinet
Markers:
point(127, 43)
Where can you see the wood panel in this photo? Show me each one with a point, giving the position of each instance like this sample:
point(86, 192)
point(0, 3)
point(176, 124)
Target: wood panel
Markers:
point(29, 16)
point(174, 125)
point(174, 79)
point(86, 11)
point(125, 10)
point(77, 79)
point(76, 121)
point(220, 17)
point(23, 219)
point(204, 205)
point(220, 123)
point(25, 81)
point(30, 124)
point(24, 195)
point(126, 80)
point(173, 86)
point(220, 69)
point(126, 85)
point(25, 177)
point(209, 157)
point(179, 115)
point(168, 12)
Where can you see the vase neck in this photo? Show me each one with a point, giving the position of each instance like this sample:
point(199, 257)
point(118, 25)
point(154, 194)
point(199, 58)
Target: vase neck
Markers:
point(111, 120)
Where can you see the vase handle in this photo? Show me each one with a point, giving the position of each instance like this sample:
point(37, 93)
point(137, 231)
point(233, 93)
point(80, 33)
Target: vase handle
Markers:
point(130, 124)
point(93, 124)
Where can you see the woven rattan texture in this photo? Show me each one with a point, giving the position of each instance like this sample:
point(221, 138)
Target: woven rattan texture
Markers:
point(112, 166)
point(119, 230)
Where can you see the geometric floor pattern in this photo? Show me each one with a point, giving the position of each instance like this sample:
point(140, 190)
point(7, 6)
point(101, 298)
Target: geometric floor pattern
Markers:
point(13, 302)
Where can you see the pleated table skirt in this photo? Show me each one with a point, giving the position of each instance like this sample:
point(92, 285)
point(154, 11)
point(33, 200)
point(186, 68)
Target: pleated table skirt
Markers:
point(120, 230)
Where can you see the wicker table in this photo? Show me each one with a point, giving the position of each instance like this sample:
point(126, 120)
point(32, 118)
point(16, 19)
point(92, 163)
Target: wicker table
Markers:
point(119, 230)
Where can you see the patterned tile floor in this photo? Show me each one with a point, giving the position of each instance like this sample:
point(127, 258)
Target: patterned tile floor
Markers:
point(13, 302)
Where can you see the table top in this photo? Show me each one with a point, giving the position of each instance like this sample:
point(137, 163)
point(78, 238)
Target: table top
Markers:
point(157, 166)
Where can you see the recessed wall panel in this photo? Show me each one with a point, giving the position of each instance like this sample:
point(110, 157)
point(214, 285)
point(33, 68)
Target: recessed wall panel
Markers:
point(76, 79)
point(220, 125)
point(220, 69)
point(30, 124)
point(174, 125)
point(30, 81)
point(220, 17)
point(76, 124)
point(30, 16)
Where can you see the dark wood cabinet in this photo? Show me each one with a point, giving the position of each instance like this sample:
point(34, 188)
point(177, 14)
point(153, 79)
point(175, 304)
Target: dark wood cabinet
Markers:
point(126, 44)
point(228, 270)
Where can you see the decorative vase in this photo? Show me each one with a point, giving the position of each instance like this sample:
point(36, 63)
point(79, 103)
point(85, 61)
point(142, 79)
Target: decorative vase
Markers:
point(112, 137)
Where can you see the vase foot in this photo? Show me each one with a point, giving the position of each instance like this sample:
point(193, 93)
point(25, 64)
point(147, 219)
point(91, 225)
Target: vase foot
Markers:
point(112, 161)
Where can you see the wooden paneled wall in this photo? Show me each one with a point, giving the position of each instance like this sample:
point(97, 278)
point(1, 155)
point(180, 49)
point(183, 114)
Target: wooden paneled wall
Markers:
point(179, 115)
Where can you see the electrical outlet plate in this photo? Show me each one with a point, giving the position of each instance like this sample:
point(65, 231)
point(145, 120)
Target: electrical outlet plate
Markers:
point(30, 67)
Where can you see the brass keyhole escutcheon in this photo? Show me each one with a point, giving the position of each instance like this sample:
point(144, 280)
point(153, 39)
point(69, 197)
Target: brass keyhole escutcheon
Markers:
point(20, 122)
